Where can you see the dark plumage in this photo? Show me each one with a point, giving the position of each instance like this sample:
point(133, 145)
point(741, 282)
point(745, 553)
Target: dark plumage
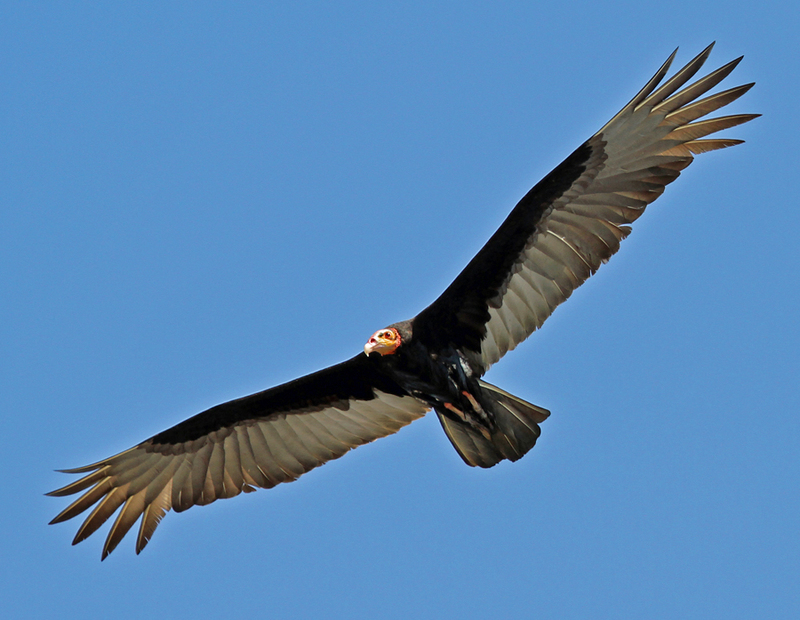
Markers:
point(555, 238)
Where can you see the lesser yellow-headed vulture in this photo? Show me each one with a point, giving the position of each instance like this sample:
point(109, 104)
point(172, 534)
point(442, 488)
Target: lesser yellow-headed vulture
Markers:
point(557, 236)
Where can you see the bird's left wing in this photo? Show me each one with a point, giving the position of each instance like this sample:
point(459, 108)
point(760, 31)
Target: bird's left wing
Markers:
point(573, 220)
point(257, 441)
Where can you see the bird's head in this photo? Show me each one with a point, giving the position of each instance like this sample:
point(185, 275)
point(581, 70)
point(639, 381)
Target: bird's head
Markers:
point(384, 341)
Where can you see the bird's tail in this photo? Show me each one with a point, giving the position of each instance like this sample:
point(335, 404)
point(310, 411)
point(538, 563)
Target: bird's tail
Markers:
point(515, 431)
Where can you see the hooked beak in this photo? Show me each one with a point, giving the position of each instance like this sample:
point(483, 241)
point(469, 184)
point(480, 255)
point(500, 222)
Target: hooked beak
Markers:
point(371, 345)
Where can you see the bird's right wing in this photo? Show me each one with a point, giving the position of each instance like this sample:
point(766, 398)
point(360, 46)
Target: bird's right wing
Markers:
point(256, 441)
point(573, 220)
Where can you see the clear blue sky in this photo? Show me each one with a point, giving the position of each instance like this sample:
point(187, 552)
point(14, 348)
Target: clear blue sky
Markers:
point(200, 201)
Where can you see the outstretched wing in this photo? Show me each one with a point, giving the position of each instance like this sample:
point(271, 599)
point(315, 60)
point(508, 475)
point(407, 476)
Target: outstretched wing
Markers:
point(256, 441)
point(574, 219)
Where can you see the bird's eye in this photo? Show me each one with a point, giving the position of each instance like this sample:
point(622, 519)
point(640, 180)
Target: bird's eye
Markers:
point(387, 335)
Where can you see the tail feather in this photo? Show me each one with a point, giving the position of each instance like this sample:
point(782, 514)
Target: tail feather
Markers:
point(515, 433)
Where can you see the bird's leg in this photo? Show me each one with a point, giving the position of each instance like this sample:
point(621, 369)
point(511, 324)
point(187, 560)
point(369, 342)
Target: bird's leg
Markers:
point(475, 404)
point(456, 410)
point(470, 421)
point(476, 407)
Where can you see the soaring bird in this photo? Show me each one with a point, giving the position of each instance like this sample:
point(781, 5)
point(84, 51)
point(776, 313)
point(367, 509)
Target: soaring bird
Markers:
point(558, 235)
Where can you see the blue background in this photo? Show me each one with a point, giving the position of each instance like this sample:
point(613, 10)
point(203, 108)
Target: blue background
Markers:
point(199, 201)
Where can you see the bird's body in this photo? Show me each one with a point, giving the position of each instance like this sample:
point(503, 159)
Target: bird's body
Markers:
point(556, 237)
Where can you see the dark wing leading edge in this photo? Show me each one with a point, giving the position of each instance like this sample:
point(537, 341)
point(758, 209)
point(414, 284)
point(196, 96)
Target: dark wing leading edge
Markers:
point(574, 219)
point(256, 441)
